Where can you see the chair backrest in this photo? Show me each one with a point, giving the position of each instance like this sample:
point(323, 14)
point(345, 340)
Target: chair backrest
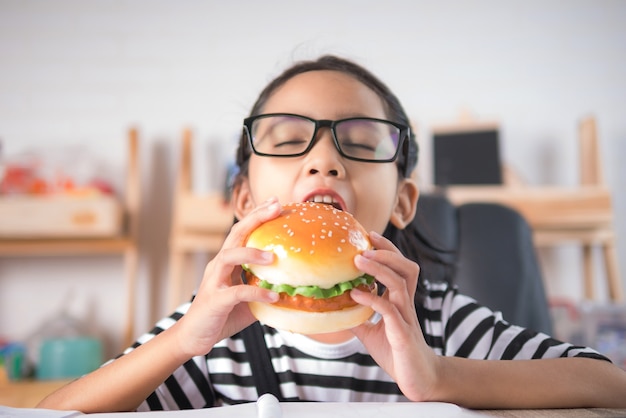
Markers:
point(493, 258)
point(199, 224)
point(589, 149)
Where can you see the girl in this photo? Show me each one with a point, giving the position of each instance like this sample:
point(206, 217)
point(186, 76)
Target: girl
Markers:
point(196, 358)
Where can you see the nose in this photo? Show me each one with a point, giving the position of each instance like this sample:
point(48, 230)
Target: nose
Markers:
point(324, 158)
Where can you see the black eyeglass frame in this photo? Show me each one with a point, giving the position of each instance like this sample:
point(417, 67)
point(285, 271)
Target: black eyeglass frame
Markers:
point(404, 134)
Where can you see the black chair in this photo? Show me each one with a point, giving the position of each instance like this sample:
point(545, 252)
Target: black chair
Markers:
point(487, 250)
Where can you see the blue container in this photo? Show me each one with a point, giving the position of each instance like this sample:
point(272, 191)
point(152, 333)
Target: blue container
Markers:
point(62, 358)
point(13, 356)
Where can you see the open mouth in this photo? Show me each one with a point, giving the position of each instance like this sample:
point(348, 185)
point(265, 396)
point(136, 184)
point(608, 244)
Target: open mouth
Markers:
point(327, 200)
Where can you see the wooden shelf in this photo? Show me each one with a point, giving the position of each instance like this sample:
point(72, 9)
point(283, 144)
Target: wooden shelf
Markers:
point(125, 245)
point(558, 208)
point(556, 215)
point(54, 247)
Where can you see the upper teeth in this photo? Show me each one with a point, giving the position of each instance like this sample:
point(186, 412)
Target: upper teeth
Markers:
point(323, 199)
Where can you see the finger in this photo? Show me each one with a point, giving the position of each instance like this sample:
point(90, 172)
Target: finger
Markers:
point(241, 230)
point(392, 317)
point(382, 243)
point(227, 311)
point(392, 269)
point(232, 254)
point(397, 291)
point(407, 270)
point(247, 293)
point(397, 273)
point(228, 297)
point(233, 258)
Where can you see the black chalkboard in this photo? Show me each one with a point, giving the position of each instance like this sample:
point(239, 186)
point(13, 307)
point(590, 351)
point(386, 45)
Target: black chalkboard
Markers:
point(466, 158)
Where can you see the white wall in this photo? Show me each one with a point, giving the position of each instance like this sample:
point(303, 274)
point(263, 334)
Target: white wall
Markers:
point(82, 72)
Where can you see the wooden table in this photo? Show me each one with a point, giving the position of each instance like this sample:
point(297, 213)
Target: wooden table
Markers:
point(556, 413)
point(558, 214)
point(27, 393)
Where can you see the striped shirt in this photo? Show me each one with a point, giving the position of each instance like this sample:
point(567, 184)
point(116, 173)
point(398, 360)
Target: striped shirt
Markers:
point(453, 325)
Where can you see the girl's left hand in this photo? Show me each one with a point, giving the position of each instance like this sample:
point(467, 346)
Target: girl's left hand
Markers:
point(396, 342)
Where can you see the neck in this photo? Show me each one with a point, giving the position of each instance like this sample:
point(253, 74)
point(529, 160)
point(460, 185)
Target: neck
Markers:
point(332, 337)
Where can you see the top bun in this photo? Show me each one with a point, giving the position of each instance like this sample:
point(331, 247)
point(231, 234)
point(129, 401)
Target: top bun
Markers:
point(314, 245)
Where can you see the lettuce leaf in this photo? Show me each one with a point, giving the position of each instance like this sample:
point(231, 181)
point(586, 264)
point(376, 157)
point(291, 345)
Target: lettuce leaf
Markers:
point(317, 292)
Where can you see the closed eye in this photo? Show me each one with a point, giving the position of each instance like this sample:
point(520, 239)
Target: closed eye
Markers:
point(290, 143)
point(357, 146)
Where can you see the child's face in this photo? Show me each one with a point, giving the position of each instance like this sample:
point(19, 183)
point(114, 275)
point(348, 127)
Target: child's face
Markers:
point(370, 191)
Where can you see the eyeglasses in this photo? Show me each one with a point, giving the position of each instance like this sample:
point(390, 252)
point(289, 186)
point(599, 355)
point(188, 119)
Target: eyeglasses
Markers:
point(360, 139)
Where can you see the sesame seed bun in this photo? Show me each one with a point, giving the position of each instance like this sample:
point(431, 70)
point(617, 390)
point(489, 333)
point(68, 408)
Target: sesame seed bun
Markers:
point(314, 244)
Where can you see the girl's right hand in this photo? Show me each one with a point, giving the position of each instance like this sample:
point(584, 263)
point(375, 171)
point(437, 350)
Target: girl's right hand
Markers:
point(219, 309)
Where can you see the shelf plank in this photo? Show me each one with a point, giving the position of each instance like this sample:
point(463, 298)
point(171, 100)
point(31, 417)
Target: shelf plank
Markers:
point(57, 247)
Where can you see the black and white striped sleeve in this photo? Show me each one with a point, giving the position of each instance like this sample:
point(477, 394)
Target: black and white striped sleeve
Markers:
point(456, 325)
point(188, 387)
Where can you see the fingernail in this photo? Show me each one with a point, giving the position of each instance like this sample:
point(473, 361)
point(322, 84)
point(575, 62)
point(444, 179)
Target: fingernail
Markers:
point(272, 204)
point(361, 260)
point(367, 253)
point(268, 256)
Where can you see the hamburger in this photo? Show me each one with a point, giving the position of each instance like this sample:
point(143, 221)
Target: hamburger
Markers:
point(313, 271)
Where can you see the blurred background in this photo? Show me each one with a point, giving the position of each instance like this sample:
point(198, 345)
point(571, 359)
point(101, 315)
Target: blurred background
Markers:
point(76, 75)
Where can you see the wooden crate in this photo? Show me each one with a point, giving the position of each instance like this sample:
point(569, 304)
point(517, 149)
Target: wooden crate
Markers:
point(60, 216)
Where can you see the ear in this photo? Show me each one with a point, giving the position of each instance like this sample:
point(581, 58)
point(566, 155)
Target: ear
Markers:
point(241, 198)
point(406, 203)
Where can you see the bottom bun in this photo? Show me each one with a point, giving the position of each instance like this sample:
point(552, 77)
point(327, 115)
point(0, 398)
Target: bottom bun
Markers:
point(303, 322)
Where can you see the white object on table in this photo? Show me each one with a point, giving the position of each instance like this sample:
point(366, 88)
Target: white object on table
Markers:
point(288, 410)
point(268, 407)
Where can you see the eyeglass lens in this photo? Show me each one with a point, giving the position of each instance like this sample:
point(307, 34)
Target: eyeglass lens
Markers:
point(363, 139)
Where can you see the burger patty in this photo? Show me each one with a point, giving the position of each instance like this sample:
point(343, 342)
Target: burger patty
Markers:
point(309, 304)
